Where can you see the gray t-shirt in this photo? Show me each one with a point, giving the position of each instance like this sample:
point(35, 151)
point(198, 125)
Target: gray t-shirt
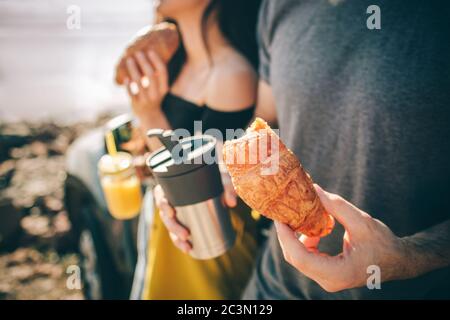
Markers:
point(368, 114)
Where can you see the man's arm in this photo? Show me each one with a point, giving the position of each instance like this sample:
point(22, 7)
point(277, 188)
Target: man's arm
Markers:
point(428, 250)
point(366, 242)
point(265, 104)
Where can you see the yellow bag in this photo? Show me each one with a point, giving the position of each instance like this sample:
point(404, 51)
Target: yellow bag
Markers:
point(172, 274)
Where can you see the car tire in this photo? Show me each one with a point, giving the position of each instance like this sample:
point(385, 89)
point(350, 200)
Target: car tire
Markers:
point(99, 277)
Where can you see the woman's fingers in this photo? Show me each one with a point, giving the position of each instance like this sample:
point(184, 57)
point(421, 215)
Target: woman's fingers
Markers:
point(162, 203)
point(133, 70)
point(184, 246)
point(144, 64)
point(167, 213)
point(161, 71)
point(133, 91)
point(166, 208)
point(149, 77)
point(149, 81)
point(134, 86)
point(175, 227)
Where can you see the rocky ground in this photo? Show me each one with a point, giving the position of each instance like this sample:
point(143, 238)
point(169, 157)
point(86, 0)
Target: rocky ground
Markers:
point(35, 243)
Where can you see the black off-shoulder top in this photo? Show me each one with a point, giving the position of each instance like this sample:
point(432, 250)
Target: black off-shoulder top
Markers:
point(182, 113)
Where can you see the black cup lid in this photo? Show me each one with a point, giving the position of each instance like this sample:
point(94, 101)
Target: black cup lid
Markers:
point(184, 156)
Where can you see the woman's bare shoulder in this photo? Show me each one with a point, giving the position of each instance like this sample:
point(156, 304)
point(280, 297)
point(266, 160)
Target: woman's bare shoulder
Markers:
point(233, 83)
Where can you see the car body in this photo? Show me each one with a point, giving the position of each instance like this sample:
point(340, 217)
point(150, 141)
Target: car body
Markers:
point(107, 246)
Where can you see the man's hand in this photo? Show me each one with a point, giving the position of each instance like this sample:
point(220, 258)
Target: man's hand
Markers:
point(179, 233)
point(229, 197)
point(367, 241)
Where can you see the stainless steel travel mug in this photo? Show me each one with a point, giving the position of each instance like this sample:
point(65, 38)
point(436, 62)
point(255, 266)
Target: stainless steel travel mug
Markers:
point(194, 187)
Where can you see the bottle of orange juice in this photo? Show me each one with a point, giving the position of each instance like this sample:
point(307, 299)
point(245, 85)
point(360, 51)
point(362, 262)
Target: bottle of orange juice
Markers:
point(120, 184)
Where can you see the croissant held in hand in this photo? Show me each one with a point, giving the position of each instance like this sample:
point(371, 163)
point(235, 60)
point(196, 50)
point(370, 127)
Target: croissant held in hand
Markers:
point(162, 38)
point(287, 194)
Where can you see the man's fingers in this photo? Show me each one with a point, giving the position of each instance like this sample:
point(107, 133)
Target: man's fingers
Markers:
point(346, 213)
point(230, 197)
point(315, 265)
point(310, 243)
point(295, 252)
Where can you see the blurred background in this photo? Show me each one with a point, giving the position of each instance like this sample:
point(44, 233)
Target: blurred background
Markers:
point(56, 84)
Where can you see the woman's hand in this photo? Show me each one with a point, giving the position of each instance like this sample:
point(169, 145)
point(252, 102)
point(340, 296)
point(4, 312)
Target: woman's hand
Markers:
point(179, 233)
point(148, 83)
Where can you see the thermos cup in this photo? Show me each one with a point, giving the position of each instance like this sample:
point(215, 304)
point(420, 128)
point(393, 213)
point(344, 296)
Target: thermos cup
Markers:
point(192, 184)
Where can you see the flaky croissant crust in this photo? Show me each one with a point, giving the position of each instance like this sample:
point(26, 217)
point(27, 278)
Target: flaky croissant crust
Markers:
point(288, 195)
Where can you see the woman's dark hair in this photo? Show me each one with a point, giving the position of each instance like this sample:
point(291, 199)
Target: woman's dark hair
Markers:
point(237, 21)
